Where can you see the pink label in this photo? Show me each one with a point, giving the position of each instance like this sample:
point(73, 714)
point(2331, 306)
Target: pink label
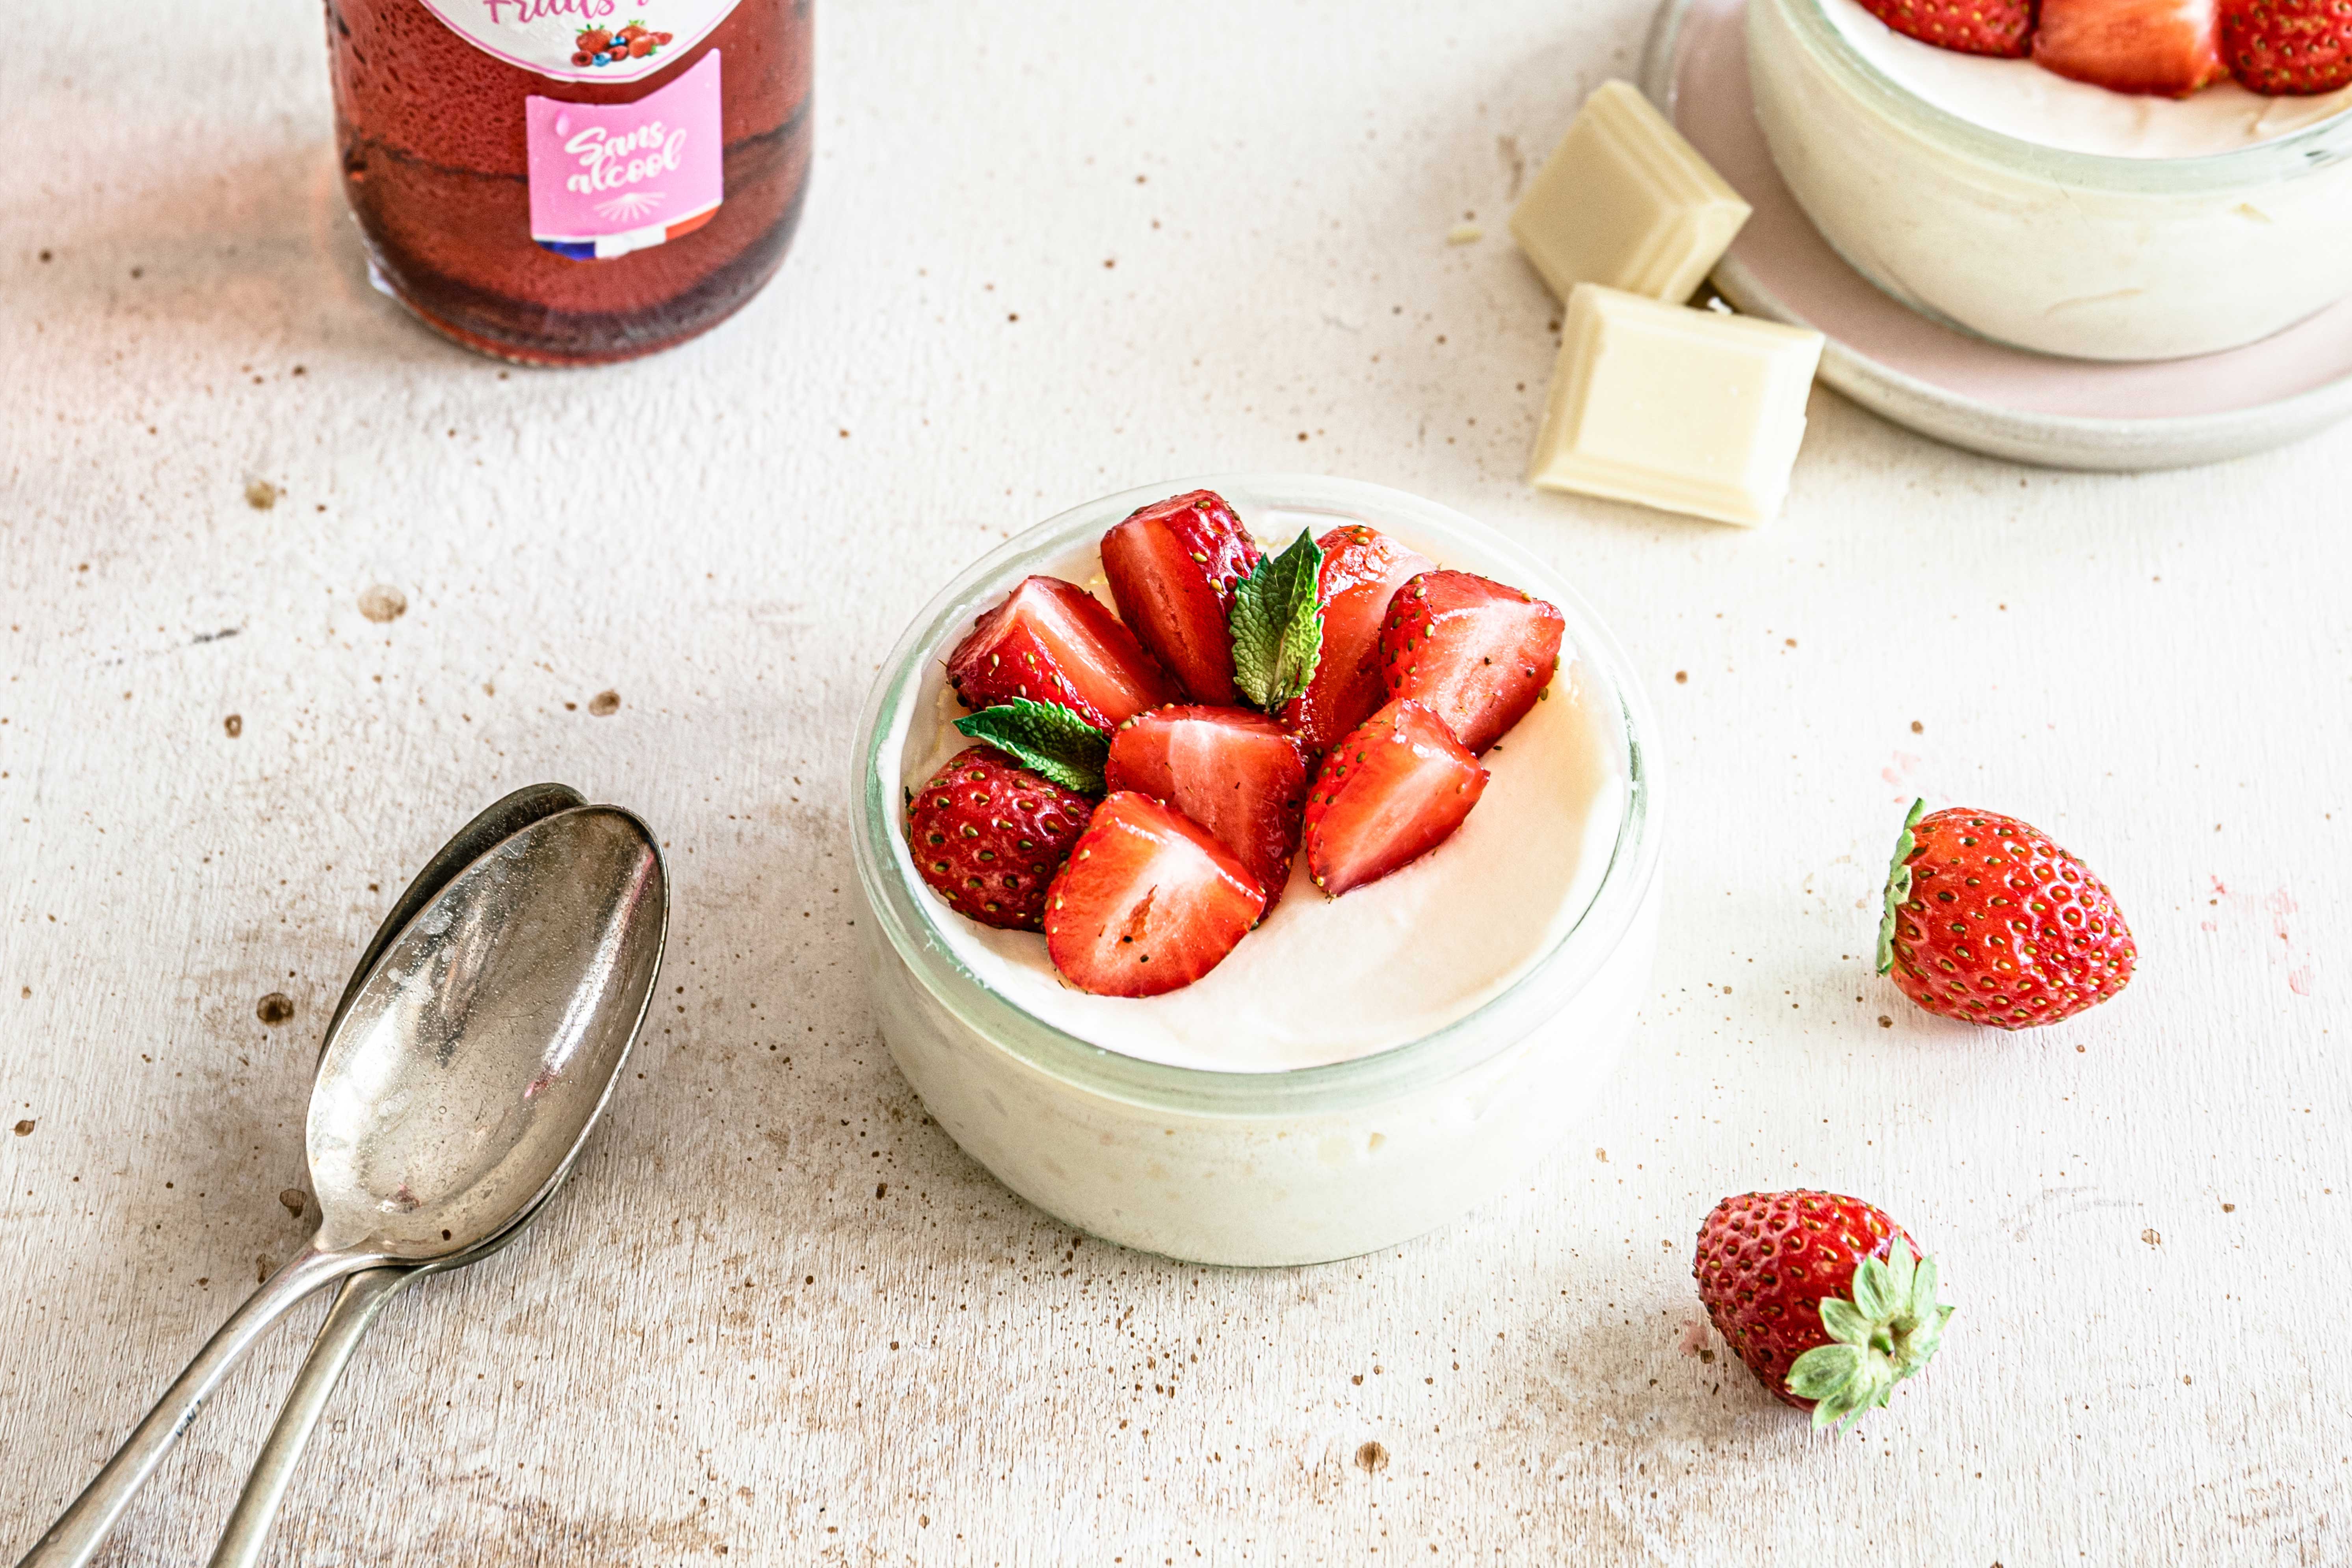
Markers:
point(610, 178)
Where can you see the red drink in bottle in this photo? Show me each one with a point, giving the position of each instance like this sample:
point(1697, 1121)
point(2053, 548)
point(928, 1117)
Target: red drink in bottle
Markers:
point(572, 182)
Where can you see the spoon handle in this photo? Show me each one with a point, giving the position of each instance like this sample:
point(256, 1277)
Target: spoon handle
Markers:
point(362, 1296)
point(74, 1539)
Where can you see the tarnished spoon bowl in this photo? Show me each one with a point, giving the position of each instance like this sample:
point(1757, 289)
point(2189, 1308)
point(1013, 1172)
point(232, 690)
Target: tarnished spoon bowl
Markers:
point(455, 1089)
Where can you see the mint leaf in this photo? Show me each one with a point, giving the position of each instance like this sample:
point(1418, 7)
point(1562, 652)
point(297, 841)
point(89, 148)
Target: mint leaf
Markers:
point(1045, 738)
point(1277, 625)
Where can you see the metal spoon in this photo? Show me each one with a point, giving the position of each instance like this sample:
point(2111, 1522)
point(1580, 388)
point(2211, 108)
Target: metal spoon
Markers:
point(498, 822)
point(452, 1093)
point(363, 1295)
point(367, 1293)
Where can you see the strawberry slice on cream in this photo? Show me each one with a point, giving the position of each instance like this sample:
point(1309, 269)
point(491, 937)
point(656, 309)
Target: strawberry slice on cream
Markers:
point(1051, 641)
point(1236, 772)
point(1174, 568)
point(2166, 48)
point(1146, 902)
point(1387, 795)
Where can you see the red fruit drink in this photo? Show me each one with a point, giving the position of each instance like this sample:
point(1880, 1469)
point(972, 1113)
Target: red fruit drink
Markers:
point(572, 181)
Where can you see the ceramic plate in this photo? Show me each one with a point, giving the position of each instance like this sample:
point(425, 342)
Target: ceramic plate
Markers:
point(2008, 403)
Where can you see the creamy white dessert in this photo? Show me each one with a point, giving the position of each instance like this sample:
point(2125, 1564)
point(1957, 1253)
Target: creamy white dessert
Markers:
point(1322, 979)
point(1445, 1067)
point(2028, 240)
point(2018, 98)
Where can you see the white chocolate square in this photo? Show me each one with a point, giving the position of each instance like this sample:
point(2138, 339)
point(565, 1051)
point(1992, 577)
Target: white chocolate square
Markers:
point(1690, 410)
point(1624, 202)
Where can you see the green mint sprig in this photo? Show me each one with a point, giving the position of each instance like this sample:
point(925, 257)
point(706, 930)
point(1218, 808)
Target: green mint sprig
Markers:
point(1277, 625)
point(1046, 737)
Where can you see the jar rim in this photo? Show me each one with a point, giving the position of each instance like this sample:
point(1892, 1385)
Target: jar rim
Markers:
point(2306, 150)
point(910, 925)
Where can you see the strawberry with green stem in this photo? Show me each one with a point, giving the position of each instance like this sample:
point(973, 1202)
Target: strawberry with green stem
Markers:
point(1989, 921)
point(1825, 1297)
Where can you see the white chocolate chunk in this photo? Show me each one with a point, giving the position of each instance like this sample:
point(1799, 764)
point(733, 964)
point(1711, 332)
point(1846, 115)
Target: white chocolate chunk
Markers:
point(1624, 202)
point(1690, 410)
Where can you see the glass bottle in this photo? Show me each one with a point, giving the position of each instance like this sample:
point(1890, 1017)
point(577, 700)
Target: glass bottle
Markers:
point(572, 181)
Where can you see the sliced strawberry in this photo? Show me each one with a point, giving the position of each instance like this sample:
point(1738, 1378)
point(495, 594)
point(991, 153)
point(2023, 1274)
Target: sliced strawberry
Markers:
point(2288, 48)
point(1146, 902)
point(2004, 27)
point(987, 835)
point(1172, 569)
point(1236, 773)
point(1388, 794)
point(2167, 48)
point(1477, 653)
point(1362, 569)
point(1053, 642)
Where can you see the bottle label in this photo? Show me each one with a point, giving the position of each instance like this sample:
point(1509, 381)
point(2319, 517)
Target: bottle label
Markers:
point(610, 178)
point(585, 40)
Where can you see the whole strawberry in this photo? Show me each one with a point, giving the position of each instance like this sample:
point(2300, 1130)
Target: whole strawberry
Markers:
point(2288, 48)
point(2003, 27)
point(1989, 922)
point(1823, 1297)
point(987, 833)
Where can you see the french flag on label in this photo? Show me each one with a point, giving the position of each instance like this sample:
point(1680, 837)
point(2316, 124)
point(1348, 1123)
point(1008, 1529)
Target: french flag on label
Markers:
point(604, 247)
point(608, 179)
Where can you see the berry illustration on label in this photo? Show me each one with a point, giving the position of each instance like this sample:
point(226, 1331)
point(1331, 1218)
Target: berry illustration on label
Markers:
point(603, 41)
point(617, 46)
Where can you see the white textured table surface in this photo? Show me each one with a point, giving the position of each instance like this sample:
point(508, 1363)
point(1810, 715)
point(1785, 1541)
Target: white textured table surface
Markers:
point(779, 1316)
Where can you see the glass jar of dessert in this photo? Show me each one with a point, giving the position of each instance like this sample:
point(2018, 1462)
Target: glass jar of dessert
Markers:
point(572, 181)
point(2014, 196)
point(1375, 1042)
